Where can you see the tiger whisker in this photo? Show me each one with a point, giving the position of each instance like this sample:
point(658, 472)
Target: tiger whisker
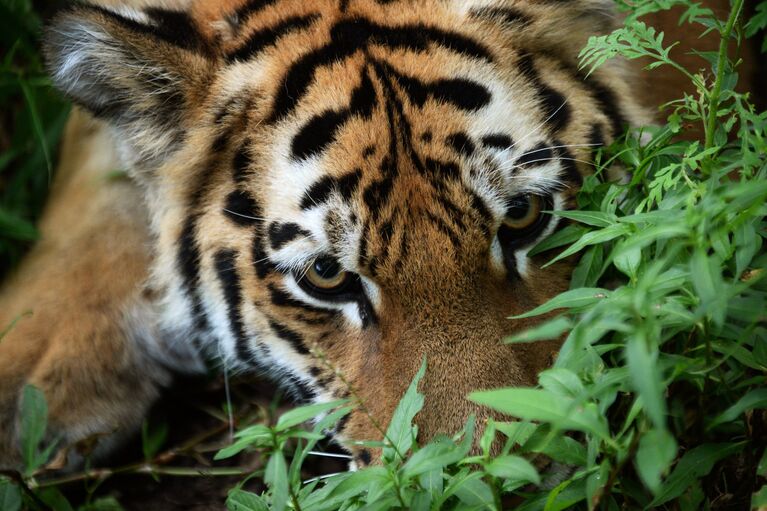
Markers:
point(319, 478)
point(556, 147)
point(259, 219)
point(331, 455)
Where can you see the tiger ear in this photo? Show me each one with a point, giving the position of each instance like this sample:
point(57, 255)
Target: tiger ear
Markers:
point(558, 27)
point(140, 70)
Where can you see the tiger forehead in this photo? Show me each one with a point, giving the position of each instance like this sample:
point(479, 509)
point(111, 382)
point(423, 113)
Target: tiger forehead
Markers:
point(379, 121)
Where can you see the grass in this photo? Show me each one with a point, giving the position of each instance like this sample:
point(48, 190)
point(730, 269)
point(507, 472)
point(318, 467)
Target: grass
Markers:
point(32, 119)
point(657, 399)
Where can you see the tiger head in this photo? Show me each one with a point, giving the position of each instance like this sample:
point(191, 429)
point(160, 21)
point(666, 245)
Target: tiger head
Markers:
point(341, 188)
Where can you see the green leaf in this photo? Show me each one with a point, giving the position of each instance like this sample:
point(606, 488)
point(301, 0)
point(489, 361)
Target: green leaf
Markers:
point(153, 439)
point(276, 476)
point(541, 405)
point(302, 414)
point(239, 500)
point(34, 421)
point(595, 218)
point(433, 456)
point(102, 504)
point(646, 377)
point(754, 399)
point(472, 491)
point(514, 468)
point(759, 499)
point(546, 331)
point(561, 381)
point(593, 238)
point(657, 449)
point(566, 236)
point(10, 496)
point(400, 433)
point(696, 463)
point(54, 499)
point(572, 299)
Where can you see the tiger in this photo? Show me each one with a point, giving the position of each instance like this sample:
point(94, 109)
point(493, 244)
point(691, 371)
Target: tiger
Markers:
point(328, 192)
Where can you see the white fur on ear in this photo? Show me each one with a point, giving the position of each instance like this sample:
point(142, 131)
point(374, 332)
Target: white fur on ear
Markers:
point(130, 68)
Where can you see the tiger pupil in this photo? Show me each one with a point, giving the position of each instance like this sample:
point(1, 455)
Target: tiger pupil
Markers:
point(326, 268)
point(519, 209)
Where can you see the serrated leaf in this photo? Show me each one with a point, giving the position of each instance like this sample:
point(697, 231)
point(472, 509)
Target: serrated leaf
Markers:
point(400, 432)
point(276, 476)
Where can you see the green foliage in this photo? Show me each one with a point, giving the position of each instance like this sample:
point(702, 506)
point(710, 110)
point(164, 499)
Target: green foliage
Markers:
point(32, 120)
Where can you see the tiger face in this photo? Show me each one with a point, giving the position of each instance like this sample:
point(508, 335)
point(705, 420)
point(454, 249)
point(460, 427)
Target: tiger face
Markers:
point(340, 189)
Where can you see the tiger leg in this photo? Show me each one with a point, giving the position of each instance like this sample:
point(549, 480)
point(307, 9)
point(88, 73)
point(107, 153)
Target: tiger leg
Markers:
point(83, 330)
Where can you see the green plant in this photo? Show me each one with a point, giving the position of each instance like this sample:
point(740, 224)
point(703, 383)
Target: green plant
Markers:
point(31, 123)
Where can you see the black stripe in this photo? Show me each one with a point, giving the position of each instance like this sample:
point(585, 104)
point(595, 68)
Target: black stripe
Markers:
point(268, 36)
point(461, 143)
point(264, 266)
point(252, 7)
point(321, 129)
point(497, 141)
point(293, 338)
point(241, 164)
point(241, 208)
point(226, 269)
point(376, 194)
point(173, 27)
point(506, 15)
point(282, 233)
point(282, 299)
point(444, 170)
point(188, 260)
point(320, 192)
point(558, 113)
point(464, 94)
point(608, 104)
point(349, 36)
point(569, 165)
point(539, 155)
point(445, 228)
point(479, 206)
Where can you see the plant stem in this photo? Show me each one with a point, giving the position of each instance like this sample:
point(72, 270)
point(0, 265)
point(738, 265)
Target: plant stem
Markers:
point(721, 60)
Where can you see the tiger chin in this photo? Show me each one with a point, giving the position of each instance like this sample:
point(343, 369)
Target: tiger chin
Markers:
point(328, 191)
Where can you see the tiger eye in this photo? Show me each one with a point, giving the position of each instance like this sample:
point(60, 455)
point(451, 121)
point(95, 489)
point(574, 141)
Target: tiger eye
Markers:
point(325, 273)
point(523, 212)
